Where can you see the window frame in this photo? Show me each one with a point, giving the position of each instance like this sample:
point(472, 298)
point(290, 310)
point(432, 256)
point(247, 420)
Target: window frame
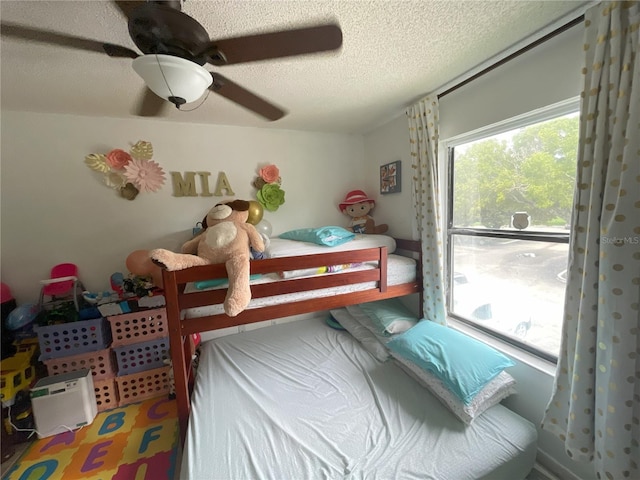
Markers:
point(530, 118)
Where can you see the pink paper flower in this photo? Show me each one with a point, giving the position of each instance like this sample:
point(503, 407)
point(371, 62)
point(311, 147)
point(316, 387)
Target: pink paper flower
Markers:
point(146, 175)
point(270, 173)
point(118, 159)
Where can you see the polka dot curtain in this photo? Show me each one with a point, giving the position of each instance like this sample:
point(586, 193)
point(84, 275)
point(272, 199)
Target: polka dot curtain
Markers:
point(595, 406)
point(423, 140)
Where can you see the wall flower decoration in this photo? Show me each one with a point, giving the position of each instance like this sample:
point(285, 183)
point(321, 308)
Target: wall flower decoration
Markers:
point(128, 172)
point(271, 196)
point(270, 174)
point(268, 183)
point(146, 175)
point(118, 159)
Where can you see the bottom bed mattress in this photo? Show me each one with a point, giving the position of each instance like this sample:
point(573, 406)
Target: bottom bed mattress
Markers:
point(304, 401)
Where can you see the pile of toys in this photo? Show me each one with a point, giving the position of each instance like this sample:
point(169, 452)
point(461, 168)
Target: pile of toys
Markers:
point(18, 370)
point(39, 340)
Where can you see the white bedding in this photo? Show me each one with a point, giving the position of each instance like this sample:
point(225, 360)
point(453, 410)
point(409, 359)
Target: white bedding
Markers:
point(303, 401)
point(279, 247)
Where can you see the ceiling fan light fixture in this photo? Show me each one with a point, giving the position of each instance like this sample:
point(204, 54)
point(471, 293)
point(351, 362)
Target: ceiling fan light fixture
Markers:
point(173, 77)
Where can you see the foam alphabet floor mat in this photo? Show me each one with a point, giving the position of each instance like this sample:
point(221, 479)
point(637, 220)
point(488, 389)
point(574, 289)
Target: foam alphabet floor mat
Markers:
point(137, 441)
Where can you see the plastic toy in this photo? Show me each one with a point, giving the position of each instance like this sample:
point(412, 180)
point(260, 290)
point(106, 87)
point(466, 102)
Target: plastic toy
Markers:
point(63, 286)
point(17, 374)
point(22, 316)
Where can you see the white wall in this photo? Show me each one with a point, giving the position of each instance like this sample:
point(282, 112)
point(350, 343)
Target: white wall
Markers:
point(54, 208)
point(384, 145)
point(545, 75)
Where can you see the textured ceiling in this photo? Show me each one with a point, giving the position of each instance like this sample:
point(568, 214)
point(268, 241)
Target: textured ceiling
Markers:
point(393, 53)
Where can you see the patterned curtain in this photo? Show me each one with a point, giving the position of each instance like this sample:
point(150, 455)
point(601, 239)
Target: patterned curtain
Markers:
point(423, 139)
point(595, 406)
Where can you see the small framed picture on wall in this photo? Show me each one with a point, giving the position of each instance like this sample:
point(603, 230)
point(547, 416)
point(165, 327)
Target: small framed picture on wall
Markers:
point(390, 178)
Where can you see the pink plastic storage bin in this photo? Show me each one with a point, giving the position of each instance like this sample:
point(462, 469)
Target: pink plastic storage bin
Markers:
point(101, 364)
point(138, 326)
point(73, 338)
point(141, 356)
point(141, 386)
point(106, 393)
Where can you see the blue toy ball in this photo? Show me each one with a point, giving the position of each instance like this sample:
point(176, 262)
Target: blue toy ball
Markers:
point(21, 316)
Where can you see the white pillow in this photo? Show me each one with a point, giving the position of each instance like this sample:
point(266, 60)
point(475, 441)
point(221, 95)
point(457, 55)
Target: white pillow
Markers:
point(366, 338)
point(493, 393)
point(384, 317)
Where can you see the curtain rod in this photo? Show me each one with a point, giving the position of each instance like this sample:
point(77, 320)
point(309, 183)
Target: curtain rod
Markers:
point(517, 53)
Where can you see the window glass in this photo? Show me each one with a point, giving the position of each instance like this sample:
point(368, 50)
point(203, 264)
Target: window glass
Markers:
point(510, 204)
point(515, 287)
point(529, 169)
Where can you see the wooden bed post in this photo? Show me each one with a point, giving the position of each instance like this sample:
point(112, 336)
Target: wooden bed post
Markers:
point(383, 269)
point(178, 360)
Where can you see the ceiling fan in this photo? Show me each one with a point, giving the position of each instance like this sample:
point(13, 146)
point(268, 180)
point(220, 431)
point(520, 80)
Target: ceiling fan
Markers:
point(175, 47)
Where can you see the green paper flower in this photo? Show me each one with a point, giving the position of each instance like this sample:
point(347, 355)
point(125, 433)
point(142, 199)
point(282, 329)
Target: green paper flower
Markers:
point(271, 196)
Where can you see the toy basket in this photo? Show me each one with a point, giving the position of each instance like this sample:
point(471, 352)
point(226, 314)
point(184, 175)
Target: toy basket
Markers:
point(141, 386)
point(138, 326)
point(100, 362)
point(141, 356)
point(106, 393)
point(73, 338)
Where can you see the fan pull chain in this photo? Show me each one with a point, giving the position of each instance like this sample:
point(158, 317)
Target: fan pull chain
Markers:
point(199, 105)
point(171, 91)
point(165, 78)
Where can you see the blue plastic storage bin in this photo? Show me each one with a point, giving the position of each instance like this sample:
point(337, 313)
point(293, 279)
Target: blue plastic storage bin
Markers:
point(142, 356)
point(73, 338)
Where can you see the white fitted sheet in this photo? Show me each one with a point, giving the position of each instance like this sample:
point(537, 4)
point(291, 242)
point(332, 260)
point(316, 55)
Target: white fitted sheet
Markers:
point(280, 247)
point(303, 401)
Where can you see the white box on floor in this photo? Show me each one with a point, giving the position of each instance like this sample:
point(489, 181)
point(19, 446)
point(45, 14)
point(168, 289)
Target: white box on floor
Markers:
point(63, 402)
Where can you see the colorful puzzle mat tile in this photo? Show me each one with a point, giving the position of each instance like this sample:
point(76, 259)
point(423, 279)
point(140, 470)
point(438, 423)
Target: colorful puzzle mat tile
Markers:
point(138, 442)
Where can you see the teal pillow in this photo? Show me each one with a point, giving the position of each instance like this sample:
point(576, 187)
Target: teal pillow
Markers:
point(216, 282)
point(388, 316)
point(463, 364)
point(328, 236)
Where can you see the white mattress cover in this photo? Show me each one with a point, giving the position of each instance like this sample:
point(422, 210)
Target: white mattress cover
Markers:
point(399, 270)
point(303, 401)
point(280, 247)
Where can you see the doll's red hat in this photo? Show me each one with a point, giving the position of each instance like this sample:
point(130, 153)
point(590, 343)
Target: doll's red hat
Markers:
point(353, 197)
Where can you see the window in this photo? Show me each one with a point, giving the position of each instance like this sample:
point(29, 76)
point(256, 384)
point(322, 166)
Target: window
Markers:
point(510, 203)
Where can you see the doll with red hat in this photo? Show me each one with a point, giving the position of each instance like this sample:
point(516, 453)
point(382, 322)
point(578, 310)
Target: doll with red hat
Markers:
point(358, 206)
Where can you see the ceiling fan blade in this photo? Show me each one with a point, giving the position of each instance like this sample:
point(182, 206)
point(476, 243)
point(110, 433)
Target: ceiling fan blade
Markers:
point(151, 105)
point(265, 46)
point(63, 40)
point(128, 6)
point(118, 51)
point(243, 97)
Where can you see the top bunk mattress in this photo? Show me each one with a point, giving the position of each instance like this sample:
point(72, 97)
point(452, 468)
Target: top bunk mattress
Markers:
point(280, 247)
point(301, 400)
point(400, 270)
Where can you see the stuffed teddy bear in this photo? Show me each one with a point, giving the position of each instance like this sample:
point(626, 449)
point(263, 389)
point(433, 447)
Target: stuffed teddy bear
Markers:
point(358, 206)
point(225, 238)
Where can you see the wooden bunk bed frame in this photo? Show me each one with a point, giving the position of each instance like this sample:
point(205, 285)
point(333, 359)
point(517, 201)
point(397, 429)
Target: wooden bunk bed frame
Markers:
point(181, 330)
